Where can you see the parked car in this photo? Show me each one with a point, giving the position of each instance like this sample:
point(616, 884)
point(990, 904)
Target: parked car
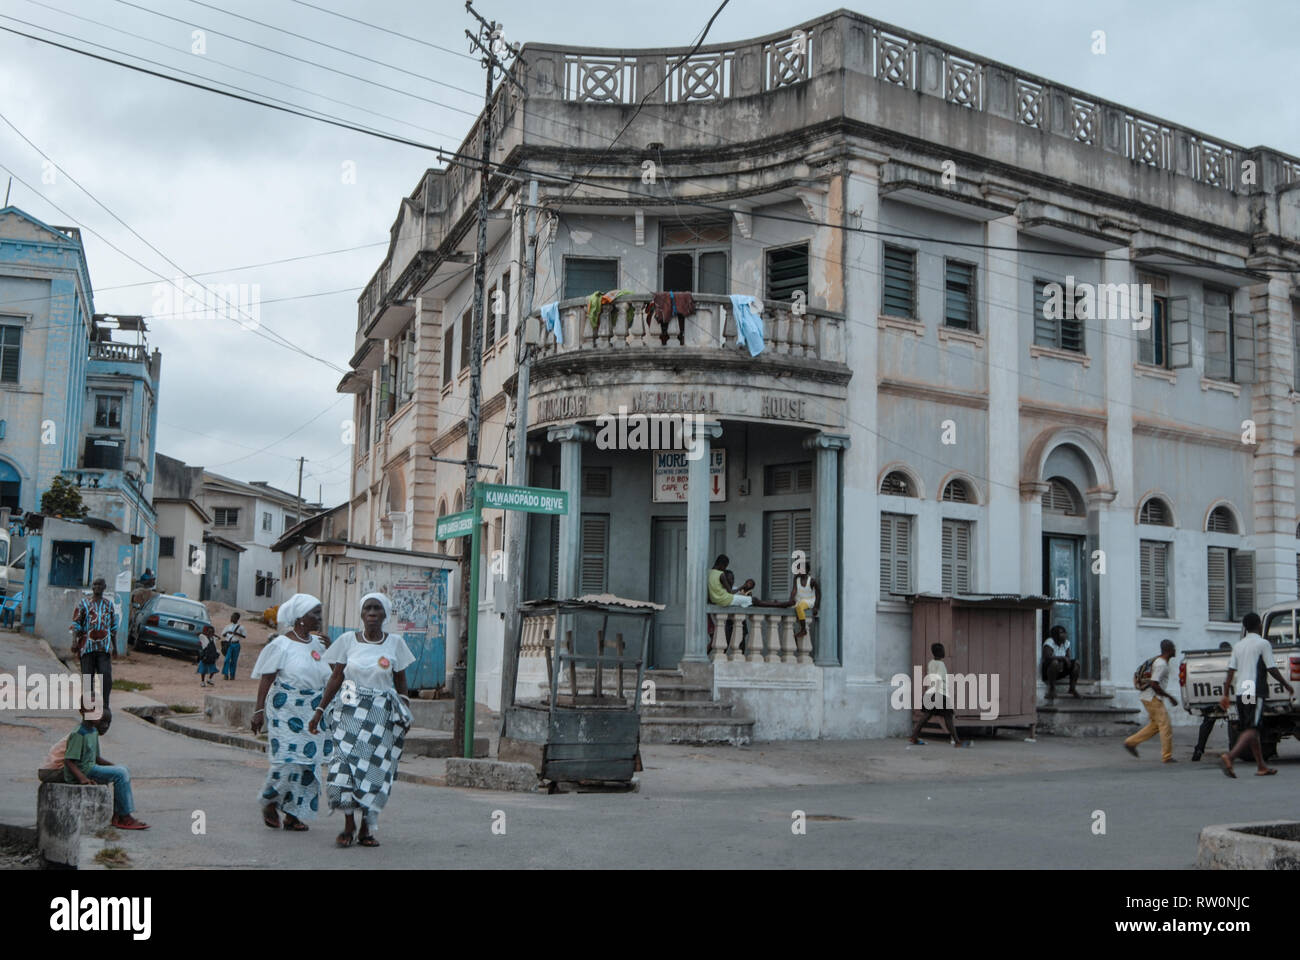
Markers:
point(170, 621)
point(1203, 672)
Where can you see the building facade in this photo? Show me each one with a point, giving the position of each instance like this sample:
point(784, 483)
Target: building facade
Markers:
point(1016, 339)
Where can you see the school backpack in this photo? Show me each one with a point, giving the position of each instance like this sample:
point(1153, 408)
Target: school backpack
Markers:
point(1142, 676)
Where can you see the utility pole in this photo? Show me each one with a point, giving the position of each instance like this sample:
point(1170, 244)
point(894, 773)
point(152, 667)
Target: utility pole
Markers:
point(301, 460)
point(488, 41)
point(516, 520)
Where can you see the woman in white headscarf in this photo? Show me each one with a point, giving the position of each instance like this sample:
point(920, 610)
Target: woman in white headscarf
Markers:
point(293, 672)
point(370, 719)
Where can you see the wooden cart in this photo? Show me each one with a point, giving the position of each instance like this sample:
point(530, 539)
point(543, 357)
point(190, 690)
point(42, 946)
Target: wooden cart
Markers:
point(589, 728)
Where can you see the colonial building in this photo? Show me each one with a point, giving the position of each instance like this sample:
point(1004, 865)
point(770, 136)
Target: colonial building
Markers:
point(1015, 339)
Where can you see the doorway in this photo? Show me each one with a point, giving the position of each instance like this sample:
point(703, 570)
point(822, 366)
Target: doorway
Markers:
point(1064, 560)
point(668, 586)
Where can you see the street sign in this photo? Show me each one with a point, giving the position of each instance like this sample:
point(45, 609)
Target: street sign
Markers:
point(454, 525)
point(498, 496)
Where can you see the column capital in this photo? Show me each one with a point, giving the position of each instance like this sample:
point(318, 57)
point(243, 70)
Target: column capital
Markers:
point(826, 441)
point(574, 432)
point(1099, 498)
point(711, 429)
point(1031, 490)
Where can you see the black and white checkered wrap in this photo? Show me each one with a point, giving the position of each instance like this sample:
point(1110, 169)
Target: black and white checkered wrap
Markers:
point(368, 739)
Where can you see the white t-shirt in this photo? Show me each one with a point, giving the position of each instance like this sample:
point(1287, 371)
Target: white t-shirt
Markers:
point(1160, 675)
point(234, 632)
point(741, 600)
point(370, 664)
point(296, 663)
point(936, 680)
point(1061, 649)
point(1249, 652)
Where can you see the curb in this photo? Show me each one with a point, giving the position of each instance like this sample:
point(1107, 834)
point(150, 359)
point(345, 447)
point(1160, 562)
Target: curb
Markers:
point(11, 833)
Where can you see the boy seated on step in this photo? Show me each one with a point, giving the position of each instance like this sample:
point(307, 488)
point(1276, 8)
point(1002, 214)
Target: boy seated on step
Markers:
point(84, 764)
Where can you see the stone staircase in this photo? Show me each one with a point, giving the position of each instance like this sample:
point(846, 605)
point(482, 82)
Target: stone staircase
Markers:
point(683, 710)
point(1093, 715)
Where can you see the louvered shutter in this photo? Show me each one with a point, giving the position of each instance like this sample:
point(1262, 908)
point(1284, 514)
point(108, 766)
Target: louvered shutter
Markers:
point(1044, 326)
point(961, 560)
point(778, 554)
point(898, 297)
point(886, 555)
point(959, 295)
point(1180, 333)
point(1243, 348)
point(1243, 583)
point(803, 478)
point(1144, 575)
point(947, 558)
point(1216, 586)
point(902, 555)
point(595, 549)
point(1297, 574)
point(554, 587)
point(1160, 579)
point(1218, 320)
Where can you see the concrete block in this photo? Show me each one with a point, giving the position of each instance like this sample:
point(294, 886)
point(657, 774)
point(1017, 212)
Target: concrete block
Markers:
point(67, 813)
point(1267, 845)
point(231, 711)
point(491, 775)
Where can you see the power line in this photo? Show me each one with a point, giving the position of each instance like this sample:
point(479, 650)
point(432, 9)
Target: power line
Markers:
point(375, 26)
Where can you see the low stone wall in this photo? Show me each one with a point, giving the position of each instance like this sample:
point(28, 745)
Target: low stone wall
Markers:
point(1268, 845)
point(491, 775)
point(231, 711)
point(67, 814)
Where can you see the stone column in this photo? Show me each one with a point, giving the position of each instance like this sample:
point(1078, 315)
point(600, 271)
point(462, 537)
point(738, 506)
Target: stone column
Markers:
point(826, 548)
point(1118, 600)
point(1273, 463)
point(1001, 315)
point(570, 439)
point(697, 543)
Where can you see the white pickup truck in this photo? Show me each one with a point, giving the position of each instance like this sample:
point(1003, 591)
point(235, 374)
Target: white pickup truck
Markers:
point(1203, 672)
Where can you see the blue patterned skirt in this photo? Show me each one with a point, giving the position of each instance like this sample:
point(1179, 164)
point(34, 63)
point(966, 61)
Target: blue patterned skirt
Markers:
point(293, 781)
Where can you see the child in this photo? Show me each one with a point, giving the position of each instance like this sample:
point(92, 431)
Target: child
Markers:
point(935, 698)
point(207, 656)
point(230, 646)
point(84, 764)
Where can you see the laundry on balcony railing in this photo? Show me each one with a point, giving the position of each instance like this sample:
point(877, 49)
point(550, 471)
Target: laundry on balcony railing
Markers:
point(749, 328)
point(551, 317)
point(598, 300)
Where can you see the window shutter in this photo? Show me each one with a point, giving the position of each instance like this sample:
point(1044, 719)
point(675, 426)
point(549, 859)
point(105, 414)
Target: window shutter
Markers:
point(779, 548)
point(803, 478)
point(1218, 350)
point(947, 558)
point(1045, 327)
point(1297, 574)
point(595, 481)
point(902, 554)
point(1146, 549)
point(447, 345)
point(1243, 583)
point(595, 545)
point(886, 555)
point(787, 271)
point(1217, 583)
point(1180, 333)
point(1160, 579)
point(959, 295)
point(962, 562)
point(554, 586)
point(1243, 348)
point(898, 297)
point(780, 480)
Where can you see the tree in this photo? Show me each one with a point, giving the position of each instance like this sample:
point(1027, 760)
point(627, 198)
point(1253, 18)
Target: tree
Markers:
point(62, 500)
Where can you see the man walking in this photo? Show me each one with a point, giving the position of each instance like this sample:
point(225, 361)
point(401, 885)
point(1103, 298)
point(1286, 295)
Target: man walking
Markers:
point(94, 626)
point(1153, 690)
point(1252, 657)
point(1057, 661)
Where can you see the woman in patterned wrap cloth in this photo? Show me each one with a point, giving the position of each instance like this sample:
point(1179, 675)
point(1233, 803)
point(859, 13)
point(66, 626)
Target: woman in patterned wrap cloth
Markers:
point(370, 719)
point(294, 673)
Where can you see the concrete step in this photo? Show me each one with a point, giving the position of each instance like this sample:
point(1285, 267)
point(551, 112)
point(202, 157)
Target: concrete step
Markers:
point(689, 708)
point(674, 691)
point(424, 742)
point(736, 731)
point(1087, 717)
point(441, 715)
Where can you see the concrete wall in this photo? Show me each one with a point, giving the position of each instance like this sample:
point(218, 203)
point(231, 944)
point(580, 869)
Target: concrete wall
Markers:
point(54, 606)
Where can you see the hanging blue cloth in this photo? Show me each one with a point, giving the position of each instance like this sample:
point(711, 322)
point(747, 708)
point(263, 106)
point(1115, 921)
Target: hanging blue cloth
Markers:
point(749, 325)
point(551, 317)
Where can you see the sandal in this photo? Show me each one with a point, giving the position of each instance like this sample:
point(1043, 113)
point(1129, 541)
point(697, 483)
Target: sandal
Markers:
point(297, 826)
point(1266, 772)
point(368, 841)
point(271, 819)
point(343, 840)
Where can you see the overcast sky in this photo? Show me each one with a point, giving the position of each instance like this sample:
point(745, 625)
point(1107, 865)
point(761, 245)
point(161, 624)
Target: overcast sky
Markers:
point(218, 185)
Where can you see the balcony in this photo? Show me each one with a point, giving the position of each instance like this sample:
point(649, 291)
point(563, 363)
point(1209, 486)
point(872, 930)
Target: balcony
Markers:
point(627, 325)
point(127, 352)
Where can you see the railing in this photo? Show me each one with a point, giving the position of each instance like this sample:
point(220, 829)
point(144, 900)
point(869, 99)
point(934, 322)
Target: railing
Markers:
point(889, 55)
point(130, 352)
point(770, 637)
point(628, 324)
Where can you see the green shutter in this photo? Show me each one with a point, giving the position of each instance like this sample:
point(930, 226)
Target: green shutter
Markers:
point(898, 296)
point(1216, 586)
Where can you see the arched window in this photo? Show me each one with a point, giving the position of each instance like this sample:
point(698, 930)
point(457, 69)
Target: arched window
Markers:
point(1061, 497)
point(442, 512)
point(11, 484)
point(898, 484)
point(1155, 511)
point(958, 491)
point(1221, 521)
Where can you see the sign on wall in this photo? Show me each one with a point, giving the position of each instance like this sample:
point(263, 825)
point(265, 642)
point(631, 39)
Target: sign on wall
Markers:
point(671, 469)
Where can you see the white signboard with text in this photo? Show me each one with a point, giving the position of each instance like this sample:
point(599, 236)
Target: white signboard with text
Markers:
point(671, 468)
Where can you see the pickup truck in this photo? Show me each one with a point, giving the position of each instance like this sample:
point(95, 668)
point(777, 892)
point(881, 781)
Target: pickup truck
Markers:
point(1203, 672)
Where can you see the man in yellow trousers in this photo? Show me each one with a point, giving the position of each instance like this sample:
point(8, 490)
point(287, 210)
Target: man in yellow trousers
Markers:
point(1153, 690)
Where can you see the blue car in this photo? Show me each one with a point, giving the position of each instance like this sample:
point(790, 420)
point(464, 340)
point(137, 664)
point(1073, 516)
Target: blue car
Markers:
point(172, 622)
